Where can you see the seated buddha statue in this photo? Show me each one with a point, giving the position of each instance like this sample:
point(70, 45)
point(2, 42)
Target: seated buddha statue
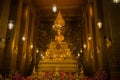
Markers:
point(59, 37)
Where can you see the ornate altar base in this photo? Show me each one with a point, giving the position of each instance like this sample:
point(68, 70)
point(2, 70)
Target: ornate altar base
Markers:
point(57, 63)
point(60, 65)
point(60, 59)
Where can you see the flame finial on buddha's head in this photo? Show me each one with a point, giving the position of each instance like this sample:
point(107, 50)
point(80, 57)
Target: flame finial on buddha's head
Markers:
point(59, 20)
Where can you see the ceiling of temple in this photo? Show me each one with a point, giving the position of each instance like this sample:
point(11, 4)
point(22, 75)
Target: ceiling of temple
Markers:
point(70, 9)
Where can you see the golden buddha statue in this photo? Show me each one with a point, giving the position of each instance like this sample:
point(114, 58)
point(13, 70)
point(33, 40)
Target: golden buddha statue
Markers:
point(59, 37)
point(58, 24)
point(58, 55)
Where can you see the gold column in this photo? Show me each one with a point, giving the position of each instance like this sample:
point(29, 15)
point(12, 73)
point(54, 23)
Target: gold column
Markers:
point(26, 36)
point(3, 27)
point(98, 39)
point(16, 36)
point(90, 43)
point(21, 44)
point(85, 34)
point(30, 41)
point(89, 49)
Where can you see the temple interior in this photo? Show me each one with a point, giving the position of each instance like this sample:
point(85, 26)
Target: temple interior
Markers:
point(59, 40)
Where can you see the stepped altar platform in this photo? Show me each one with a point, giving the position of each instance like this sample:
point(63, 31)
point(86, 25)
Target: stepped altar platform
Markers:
point(58, 58)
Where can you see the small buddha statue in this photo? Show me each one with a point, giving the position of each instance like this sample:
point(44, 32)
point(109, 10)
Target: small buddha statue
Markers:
point(59, 37)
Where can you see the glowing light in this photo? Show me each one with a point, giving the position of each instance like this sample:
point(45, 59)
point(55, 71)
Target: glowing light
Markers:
point(81, 51)
point(116, 1)
point(54, 8)
point(37, 51)
point(99, 24)
point(89, 38)
point(23, 38)
point(85, 46)
point(10, 25)
point(78, 54)
point(31, 46)
point(43, 57)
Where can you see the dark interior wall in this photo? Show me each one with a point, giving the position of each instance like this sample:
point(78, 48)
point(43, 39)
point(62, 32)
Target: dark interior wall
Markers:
point(115, 29)
point(111, 12)
point(1, 4)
